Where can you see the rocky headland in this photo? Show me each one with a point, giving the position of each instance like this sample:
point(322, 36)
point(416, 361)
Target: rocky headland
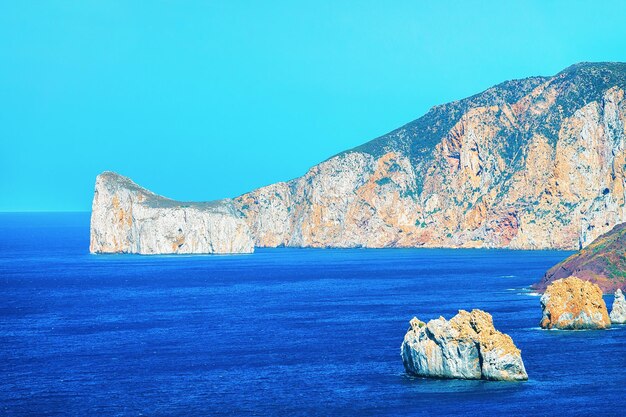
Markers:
point(127, 218)
point(574, 304)
point(532, 163)
point(602, 262)
point(466, 347)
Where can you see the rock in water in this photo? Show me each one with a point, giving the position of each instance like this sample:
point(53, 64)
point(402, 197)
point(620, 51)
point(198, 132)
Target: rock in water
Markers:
point(466, 347)
point(127, 218)
point(618, 313)
point(574, 304)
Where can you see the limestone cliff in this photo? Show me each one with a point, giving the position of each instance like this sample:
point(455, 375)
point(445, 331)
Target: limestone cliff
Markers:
point(465, 347)
point(533, 163)
point(126, 218)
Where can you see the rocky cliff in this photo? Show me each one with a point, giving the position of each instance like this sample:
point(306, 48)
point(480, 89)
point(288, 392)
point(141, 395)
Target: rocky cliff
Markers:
point(602, 262)
point(465, 347)
point(532, 163)
point(126, 218)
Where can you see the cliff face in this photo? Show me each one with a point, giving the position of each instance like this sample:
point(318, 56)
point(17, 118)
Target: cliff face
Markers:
point(126, 218)
point(533, 163)
point(603, 262)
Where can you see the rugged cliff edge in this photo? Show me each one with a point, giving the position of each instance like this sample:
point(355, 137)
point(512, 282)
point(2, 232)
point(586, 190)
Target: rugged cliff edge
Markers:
point(533, 163)
point(126, 218)
point(603, 262)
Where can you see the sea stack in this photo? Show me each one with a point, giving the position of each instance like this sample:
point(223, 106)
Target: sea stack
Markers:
point(618, 312)
point(574, 304)
point(466, 347)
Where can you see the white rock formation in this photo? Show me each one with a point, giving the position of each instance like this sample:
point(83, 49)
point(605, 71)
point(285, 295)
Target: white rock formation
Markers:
point(126, 218)
point(618, 312)
point(466, 347)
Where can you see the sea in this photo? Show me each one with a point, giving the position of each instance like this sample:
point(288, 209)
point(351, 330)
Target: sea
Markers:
point(281, 332)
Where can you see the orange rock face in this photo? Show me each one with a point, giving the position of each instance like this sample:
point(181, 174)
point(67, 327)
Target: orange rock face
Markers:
point(528, 164)
point(574, 304)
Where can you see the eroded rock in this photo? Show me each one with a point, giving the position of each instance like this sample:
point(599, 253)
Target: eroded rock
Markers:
point(574, 304)
point(465, 347)
point(618, 312)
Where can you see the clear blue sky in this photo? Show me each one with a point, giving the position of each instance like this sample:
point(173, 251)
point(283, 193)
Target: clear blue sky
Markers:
point(210, 99)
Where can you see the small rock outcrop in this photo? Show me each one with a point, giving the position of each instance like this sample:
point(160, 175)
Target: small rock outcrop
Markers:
point(574, 304)
point(618, 312)
point(465, 347)
point(127, 218)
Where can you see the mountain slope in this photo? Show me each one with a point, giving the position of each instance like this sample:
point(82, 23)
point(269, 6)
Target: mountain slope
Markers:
point(532, 163)
point(602, 262)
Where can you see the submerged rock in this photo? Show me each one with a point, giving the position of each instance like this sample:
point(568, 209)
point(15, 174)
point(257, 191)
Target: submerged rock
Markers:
point(574, 304)
point(618, 313)
point(466, 347)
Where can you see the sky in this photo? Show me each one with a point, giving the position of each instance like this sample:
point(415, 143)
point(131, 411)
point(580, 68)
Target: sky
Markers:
point(201, 100)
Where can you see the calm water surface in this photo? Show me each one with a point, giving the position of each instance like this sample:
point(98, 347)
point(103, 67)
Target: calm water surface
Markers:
point(279, 332)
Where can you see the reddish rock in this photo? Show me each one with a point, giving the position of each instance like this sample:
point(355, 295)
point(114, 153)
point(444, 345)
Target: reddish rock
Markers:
point(603, 262)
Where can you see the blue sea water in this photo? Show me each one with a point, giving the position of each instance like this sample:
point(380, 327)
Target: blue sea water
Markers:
point(278, 332)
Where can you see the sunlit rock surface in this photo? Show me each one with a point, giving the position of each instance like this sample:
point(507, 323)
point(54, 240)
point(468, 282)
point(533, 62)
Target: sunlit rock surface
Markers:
point(618, 312)
point(126, 218)
point(533, 163)
point(574, 304)
point(465, 347)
